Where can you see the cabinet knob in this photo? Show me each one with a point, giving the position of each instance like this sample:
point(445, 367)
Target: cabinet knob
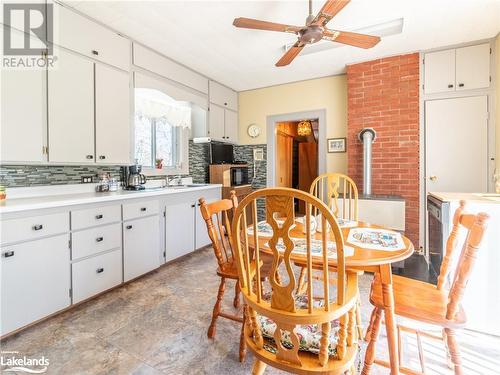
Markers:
point(98, 216)
point(8, 254)
point(461, 85)
point(450, 86)
point(102, 157)
point(38, 227)
point(100, 270)
point(225, 103)
point(90, 156)
point(99, 239)
point(129, 226)
point(94, 52)
point(193, 206)
point(143, 209)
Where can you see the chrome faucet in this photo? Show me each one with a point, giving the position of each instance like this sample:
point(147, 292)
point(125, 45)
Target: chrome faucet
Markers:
point(171, 179)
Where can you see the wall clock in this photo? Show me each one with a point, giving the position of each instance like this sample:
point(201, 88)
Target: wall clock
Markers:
point(253, 130)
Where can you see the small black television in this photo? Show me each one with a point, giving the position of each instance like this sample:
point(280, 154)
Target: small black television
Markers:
point(221, 153)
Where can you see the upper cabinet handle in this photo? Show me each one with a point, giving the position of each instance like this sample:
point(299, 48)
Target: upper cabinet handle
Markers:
point(143, 209)
point(100, 270)
point(450, 86)
point(94, 52)
point(99, 239)
point(90, 156)
point(37, 227)
point(8, 254)
point(98, 216)
point(461, 85)
point(129, 227)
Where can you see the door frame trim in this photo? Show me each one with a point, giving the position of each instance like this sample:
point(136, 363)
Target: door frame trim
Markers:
point(271, 122)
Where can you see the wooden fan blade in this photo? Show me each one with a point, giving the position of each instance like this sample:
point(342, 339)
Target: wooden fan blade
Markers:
point(289, 55)
point(328, 11)
point(350, 38)
point(249, 23)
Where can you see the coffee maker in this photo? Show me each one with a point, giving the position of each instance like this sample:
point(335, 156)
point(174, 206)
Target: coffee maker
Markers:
point(132, 177)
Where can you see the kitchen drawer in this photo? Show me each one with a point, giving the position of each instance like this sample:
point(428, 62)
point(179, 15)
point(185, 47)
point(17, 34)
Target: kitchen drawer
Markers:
point(95, 216)
point(87, 37)
point(95, 240)
point(97, 274)
point(31, 228)
point(140, 209)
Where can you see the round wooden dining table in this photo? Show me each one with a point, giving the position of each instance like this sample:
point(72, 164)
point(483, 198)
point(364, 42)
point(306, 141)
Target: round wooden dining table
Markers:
point(363, 259)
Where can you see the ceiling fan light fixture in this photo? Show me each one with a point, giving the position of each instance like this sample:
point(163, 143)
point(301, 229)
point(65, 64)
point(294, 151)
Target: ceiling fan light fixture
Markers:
point(304, 128)
point(311, 34)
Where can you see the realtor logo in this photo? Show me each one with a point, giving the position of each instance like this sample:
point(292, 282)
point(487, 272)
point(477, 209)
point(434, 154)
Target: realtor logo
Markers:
point(28, 28)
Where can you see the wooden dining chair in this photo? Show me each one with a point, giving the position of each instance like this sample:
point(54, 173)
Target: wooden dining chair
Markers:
point(220, 234)
point(311, 334)
point(339, 192)
point(435, 305)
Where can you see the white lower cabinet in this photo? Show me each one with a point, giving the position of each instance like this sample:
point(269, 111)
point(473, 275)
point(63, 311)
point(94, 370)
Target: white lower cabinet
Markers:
point(35, 281)
point(180, 229)
point(96, 274)
point(202, 238)
point(141, 246)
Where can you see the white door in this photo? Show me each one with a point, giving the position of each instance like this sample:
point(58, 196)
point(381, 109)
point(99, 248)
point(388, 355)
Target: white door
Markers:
point(112, 102)
point(180, 229)
point(473, 67)
point(141, 246)
point(456, 144)
point(71, 109)
point(216, 122)
point(231, 125)
point(35, 281)
point(23, 113)
point(439, 71)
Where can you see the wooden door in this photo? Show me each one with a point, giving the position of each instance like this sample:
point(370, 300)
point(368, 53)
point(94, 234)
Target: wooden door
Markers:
point(71, 109)
point(439, 71)
point(216, 122)
point(35, 281)
point(113, 119)
point(284, 159)
point(180, 229)
point(473, 67)
point(141, 246)
point(457, 144)
point(231, 126)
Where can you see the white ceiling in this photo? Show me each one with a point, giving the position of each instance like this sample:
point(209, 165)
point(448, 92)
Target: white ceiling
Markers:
point(200, 34)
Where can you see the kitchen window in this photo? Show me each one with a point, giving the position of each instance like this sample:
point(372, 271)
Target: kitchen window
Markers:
point(161, 131)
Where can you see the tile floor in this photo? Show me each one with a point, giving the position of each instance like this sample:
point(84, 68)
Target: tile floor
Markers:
point(157, 325)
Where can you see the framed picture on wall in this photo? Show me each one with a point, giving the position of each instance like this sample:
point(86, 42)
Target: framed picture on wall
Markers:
point(336, 144)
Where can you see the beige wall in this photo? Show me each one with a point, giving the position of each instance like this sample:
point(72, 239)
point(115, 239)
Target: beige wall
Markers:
point(328, 93)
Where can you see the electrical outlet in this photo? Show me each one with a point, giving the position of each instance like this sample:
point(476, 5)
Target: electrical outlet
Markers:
point(87, 179)
point(258, 154)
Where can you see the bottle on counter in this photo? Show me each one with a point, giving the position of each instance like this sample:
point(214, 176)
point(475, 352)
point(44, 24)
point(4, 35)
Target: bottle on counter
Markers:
point(3, 193)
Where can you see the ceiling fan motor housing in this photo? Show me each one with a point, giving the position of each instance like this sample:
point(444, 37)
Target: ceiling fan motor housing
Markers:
point(311, 34)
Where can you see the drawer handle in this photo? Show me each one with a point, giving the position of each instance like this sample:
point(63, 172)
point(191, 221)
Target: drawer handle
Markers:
point(98, 217)
point(102, 157)
point(94, 52)
point(143, 209)
point(38, 227)
point(450, 86)
point(100, 270)
point(8, 254)
point(461, 85)
point(129, 226)
point(193, 206)
point(99, 239)
point(90, 156)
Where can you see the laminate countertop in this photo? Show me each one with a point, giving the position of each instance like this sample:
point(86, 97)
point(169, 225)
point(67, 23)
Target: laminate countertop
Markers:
point(26, 203)
point(476, 197)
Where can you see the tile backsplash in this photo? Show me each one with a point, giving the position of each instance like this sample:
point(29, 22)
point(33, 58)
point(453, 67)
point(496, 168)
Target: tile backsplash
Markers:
point(38, 175)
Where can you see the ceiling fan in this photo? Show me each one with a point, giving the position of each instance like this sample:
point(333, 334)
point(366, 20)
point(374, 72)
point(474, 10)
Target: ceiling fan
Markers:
point(313, 31)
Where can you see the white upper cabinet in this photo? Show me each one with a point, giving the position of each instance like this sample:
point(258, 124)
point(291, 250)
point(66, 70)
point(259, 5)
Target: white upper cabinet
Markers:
point(223, 96)
point(460, 69)
point(231, 126)
point(439, 72)
point(113, 119)
point(473, 67)
point(216, 123)
point(156, 63)
point(71, 109)
point(89, 38)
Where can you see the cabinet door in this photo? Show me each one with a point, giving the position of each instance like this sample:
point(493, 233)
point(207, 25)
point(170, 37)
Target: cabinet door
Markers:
point(35, 279)
point(231, 126)
point(223, 96)
point(473, 67)
point(141, 246)
point(71, 109)
point(439, 71)
point(23, 113)
point(112, 103)
point(180, 229)
point(202, 238)
point(216, 123)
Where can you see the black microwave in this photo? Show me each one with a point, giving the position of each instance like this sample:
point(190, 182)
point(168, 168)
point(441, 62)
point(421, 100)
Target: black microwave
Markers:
point(239, 176)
